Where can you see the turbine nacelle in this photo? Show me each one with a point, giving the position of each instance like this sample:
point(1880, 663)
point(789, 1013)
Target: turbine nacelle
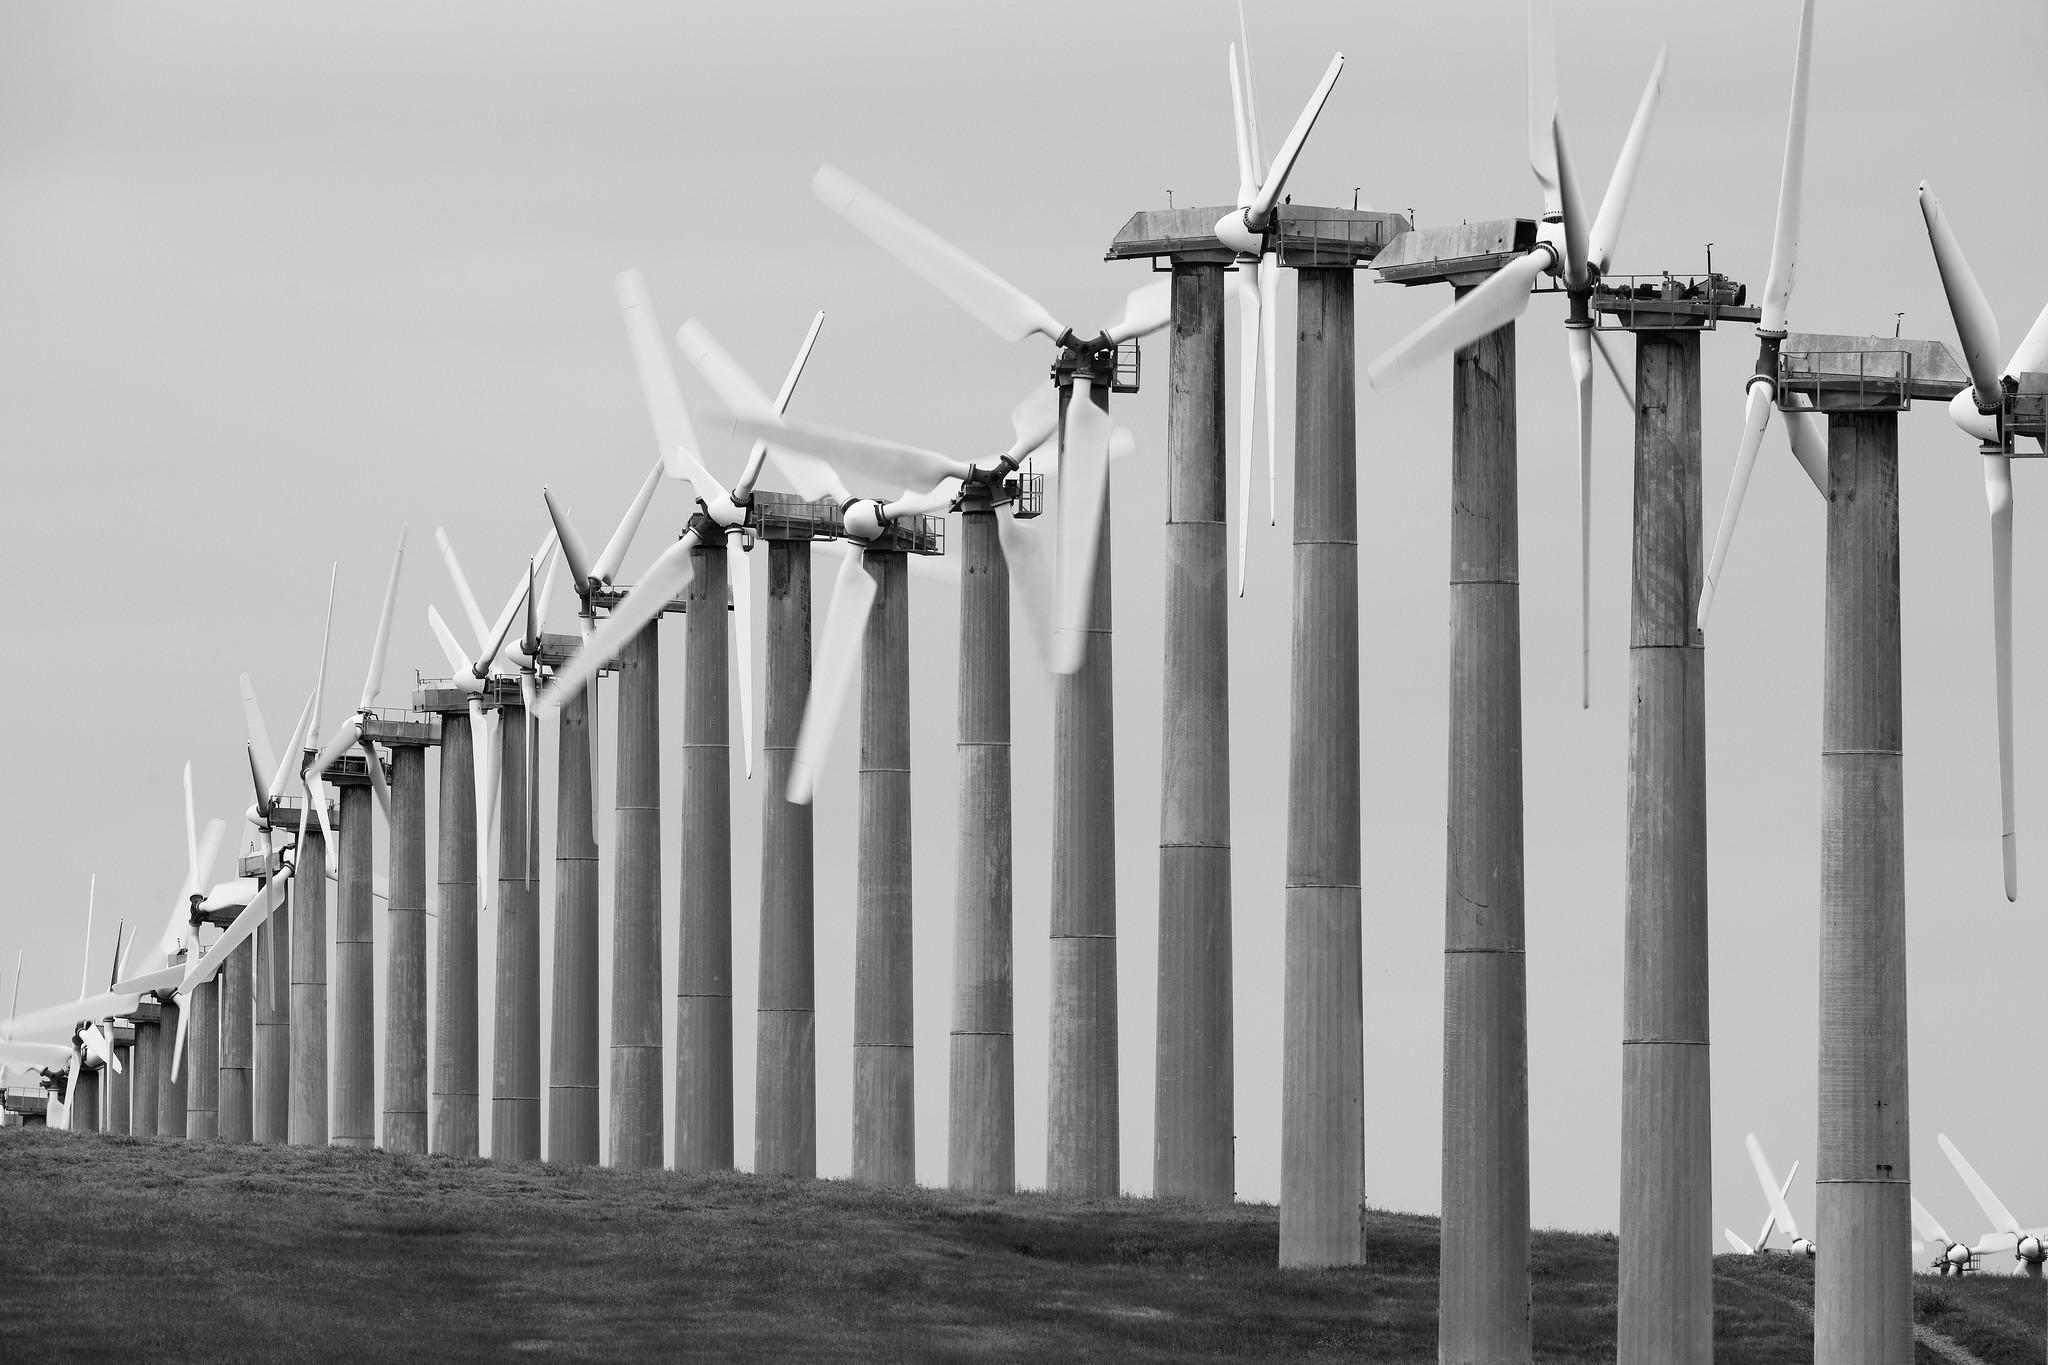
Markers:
point(1962, 410)
point(2031, 1249)
point(1234, 229)
point(1802, 1247)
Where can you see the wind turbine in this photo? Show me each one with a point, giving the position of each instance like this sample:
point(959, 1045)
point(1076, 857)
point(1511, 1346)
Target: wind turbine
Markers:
point(1950, 1255)
point(1574, 250)
point(1985, 411)
point(350, 733)
point(1763, 1236)
point(1774, 1192)
point(1249, 232)
point(2029, 1246)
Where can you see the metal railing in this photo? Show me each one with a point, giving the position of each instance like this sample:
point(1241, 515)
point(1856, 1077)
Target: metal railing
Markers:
point(1848, 381)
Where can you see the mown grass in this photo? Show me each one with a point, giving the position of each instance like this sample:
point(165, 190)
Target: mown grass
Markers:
point(119, 1247)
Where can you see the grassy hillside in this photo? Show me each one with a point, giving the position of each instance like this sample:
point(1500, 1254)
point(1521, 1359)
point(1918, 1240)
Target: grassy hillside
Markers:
point(117, 1247)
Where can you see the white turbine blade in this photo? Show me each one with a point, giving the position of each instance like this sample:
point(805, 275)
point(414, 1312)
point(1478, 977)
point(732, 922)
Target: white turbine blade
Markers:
point(1976, 325)
point(70, 1079)
point(1579, 342)
point(374, 682)
point(918, 504)
point(345, 737)
point(2031, 355)
point(1808, 432)
point(853, 597)
point(809, 474)
point(1488, 308)
point(1147, 309)
point(1627, 390)
point(1772, 1192)
point(581, 567)
point(2000, 1216)
point(1777, 292)
point(1249, 325)
point(1083, 492)
point(1998, 495)
point(63, 1016)
point(1925, 1223)
point(1736, 1244)
point(665, 578)
point(205, 967)
point(745, 488)
point(1756, 417)
point(92, 896)
point(259, 736)
point(1574, 210)
point(178, 1044)
point(379, 788)
point(1247, 173)
point(33, 1054)
point(1613, 204)
point(458, 658)
point(1000, 305)
point(1269, 359)
point(889, 464)
point(1275, 182)
point(1028, 553)
point(470, 609)
point(294, 752)
point(658, 388)
point(326, 637)
point(1543, 102)
point(739, 575)
point(192, 877)
point(209, 850)
point(547, 593)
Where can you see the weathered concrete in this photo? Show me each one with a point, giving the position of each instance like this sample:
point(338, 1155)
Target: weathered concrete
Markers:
point(145, 1074)
point(1322, 1104)
point(704, 990)
point(981, 1146)
point(1863, 1276)
point(573, 1034)
point(456, 1119)
point(1194, 1142)
point(636, 1105)
point(236, 1120)
point(116, 1094)
point(84, 1116)
point(306, 1120)
point(271, 1034)
point(1483, 1285)
point(515, 1036)
point(1666, 1309)
point(171, 1091)
point(405, 971)
point(355, 975)
point(786, 1058)
point(202, 1063)
point(1083, 1129)
point(884, 1055)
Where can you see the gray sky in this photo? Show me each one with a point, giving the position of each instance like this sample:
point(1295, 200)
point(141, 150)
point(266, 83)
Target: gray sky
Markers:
point(277, 279)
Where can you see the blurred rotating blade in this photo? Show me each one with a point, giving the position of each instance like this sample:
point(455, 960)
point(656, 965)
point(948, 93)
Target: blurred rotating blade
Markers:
point(1247, 403)
point(373, 684)
point(470, 609)
point(665, 578)
point(1579, 341)
point(451, 648)
point(259, 735)
point(581, 566)
point(1247, 169)
point(853, 598)
point(1756, 417)
point(483, 757)
point(207, 966)
point(658, 389)
point(1543, 102)
point(1621, 381)
point(1147, 308)
point(1083, 493)
point(744, 489)
point(345, 737)
point(920, 504)
point(1998, 495)
point(1028, 556)
point(1486, 309)
point(2000, 1216)
point(1000, 305)
point(1770, 1186)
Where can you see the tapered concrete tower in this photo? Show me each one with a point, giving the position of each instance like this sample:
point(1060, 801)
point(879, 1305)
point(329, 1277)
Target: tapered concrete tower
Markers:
point(236, 1079)
point(704, 1077)
point(202, 1058)
point(355, 959)
point(270, 1034)
point(1322, 1114)
point(306, 1117)
point(573, 1033)
point(637, 1111)
point(455, 1123)
point(405, 989)
point(786, 1068)
point(515, 1038)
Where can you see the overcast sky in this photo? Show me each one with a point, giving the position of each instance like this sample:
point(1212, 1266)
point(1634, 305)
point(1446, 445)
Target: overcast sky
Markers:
point(273, 280)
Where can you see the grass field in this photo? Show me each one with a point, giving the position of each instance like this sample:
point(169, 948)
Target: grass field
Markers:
point(148, 1250)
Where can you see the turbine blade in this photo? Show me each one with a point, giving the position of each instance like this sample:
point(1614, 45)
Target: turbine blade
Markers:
point(1247, 173)
point(658, 388)
point(1000, 305)
point(1614, 203)
point(1579, 341)
point(664, 578)
point(573, 548)
point(1575, 249)
point(458, 660)
point(1808, 432)
point(745, 488)
point(1488, 308)
point(810, 475)
point(1976, 325)
point(1770, 1186)
point(853, 597)
point(1283, 160)
point(483, 756)
point(1028, 555)
point(470, 609)
point(1249, 326)
point(1756, 417)
point(614, 554)
point(1083, 491)
point(374, 683)
point(259, 736)
point(1998, 495)
point(1543, 102)
point(345, 737)
point(294, 753)
point(1627, 390)
point(1147, 309)
point(1777, 292)
point(2000, 1216)
point(1736, 1244)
